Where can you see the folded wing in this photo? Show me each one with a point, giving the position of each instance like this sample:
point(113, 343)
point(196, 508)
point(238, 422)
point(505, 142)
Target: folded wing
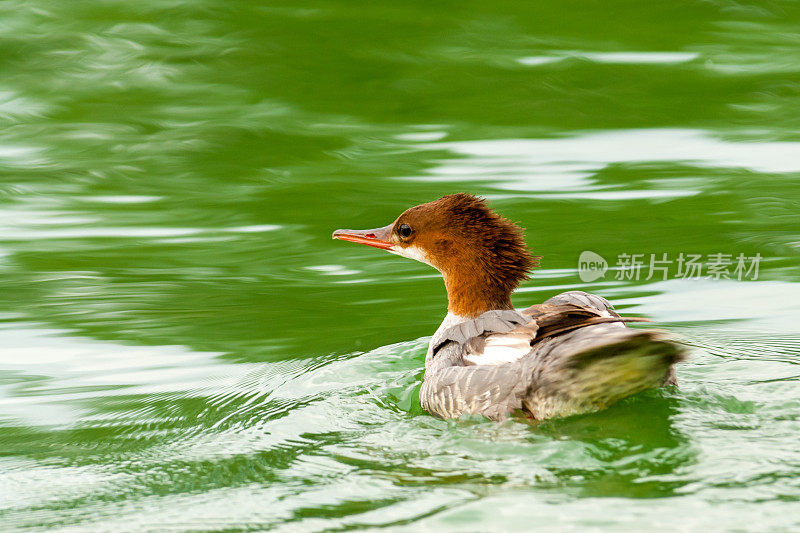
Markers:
point(569, 355)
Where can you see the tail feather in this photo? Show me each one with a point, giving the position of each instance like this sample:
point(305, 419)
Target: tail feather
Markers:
point(591, 368)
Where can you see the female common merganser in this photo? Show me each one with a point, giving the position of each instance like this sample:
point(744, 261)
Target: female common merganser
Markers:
point(571, 354)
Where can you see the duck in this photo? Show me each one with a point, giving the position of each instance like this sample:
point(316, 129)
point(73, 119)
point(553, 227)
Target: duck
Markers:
point(571, 354)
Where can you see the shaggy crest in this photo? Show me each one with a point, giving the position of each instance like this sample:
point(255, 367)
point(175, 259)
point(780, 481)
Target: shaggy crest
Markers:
point(503, 251)
point(482, 255)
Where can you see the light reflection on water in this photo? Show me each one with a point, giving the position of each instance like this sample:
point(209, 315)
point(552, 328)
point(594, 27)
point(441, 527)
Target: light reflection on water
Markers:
point(182, 346)
point(569, 163)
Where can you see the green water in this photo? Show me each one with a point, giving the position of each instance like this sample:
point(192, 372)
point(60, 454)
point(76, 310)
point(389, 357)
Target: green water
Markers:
point(183, 347)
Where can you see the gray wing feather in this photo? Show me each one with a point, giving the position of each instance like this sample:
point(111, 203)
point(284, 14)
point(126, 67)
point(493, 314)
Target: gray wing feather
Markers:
point(584, 299)
point(581, 370)
point(492, 391)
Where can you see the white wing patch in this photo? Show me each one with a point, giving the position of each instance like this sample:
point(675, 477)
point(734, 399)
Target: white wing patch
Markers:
point(500, 348)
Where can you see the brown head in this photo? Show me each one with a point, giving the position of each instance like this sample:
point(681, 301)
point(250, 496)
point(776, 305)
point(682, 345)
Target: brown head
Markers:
point(481, 255)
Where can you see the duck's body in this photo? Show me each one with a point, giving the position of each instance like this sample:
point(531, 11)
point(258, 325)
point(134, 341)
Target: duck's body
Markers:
point(568, 355)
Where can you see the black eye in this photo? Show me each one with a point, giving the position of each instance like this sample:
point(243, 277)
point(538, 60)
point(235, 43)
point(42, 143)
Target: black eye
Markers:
point(404, 231)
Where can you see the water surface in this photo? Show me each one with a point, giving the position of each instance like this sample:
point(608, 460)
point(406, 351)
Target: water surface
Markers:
point(182, 346)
